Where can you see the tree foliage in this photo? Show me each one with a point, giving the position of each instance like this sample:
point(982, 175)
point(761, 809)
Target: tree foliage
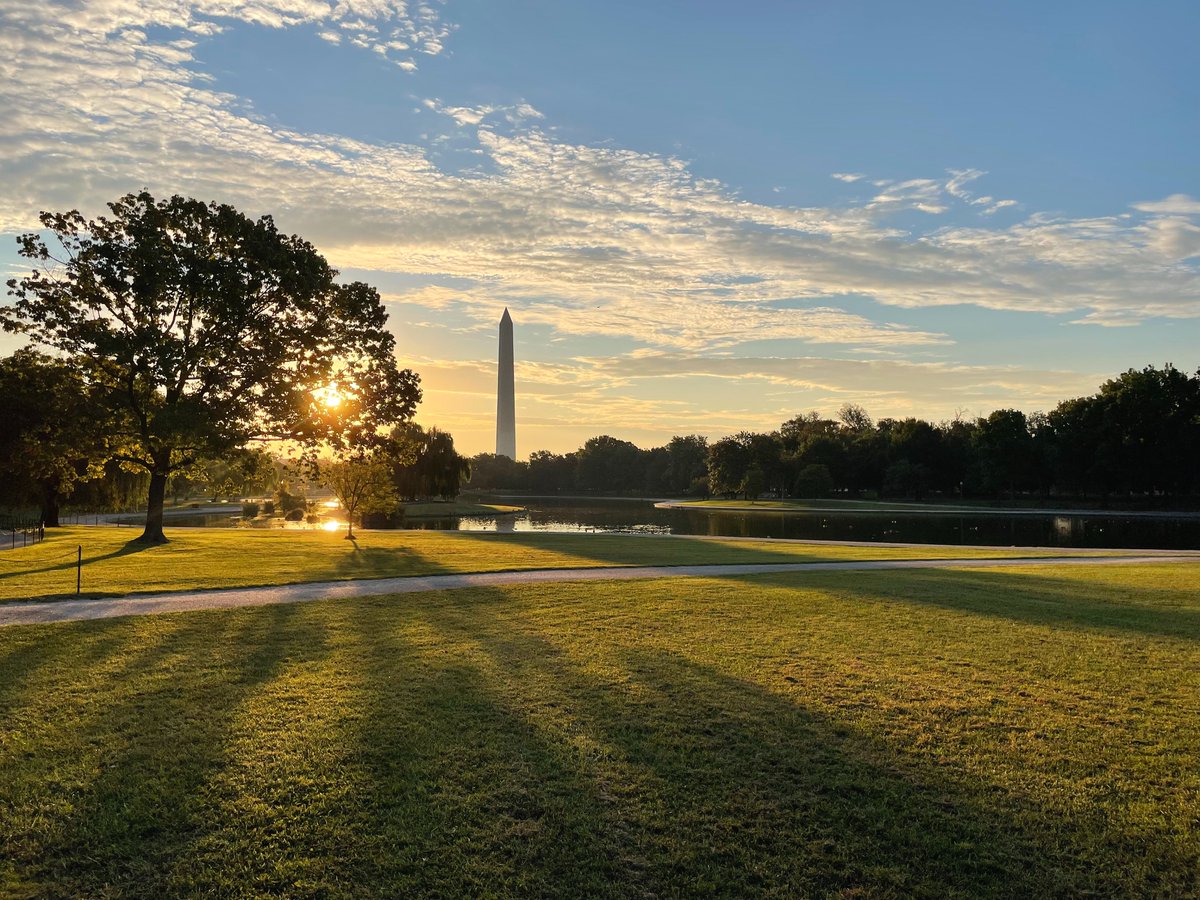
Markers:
point(200, 329)
point(426, 463)
point(1137, 437)
point(605, 460)
point(362, 483)
point(53, 436)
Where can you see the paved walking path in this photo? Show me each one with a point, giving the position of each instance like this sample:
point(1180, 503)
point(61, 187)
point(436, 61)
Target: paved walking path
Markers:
point(32, 612)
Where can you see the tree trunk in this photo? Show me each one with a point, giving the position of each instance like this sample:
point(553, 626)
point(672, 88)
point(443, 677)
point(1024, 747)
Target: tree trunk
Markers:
point(153, 533)
point(50, 507)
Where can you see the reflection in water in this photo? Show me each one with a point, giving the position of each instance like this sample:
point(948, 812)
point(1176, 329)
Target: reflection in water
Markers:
point(641, 517)
point(1003, 530)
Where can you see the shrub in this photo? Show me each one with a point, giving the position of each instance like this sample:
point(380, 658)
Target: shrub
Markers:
point(286, 501)
point(249, 510)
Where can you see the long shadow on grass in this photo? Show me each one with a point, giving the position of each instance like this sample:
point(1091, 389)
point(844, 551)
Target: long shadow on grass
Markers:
point(1021, 596)
point(28, 655)
point(610, 549)
point(125, 549)
point(616, 770)
point(463, 796)
point(383, 562)
point(133, 764)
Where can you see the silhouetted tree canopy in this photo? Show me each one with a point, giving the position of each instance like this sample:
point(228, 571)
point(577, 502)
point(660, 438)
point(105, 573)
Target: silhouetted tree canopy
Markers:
point(199, 329)
point(1138, 437)
point(53, 435)
point(426, 465)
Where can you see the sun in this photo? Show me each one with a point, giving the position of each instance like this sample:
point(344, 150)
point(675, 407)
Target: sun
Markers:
point(329, 396)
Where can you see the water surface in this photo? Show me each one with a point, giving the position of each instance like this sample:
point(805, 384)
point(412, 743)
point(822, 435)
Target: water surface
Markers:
point(999, 529)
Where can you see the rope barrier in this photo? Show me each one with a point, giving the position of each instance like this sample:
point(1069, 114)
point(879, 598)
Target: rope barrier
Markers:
point(30, 534)
point(60, 560)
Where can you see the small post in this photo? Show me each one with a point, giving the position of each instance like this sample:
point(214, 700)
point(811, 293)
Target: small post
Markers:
point(78, 569)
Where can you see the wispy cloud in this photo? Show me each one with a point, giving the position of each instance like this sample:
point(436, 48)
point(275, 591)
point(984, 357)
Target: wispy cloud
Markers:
point(959, 178)
point(105, 98)
point(885, 386)
point(993, 206)
point(1176, 204)
point(649, 396)
point(514, 114)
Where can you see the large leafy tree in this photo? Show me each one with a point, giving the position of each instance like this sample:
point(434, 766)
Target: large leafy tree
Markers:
point(688, 458)
point(607, 463)
point(728, 461)
point(426, 463)
point(1005, 449)
point(202, 329)
point(1151, 426)
point(52, 436)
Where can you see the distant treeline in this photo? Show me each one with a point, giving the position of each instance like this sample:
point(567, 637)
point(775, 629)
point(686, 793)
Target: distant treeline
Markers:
point(1138, 437)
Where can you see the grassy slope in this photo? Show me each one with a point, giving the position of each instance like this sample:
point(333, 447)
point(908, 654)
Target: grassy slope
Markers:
point(207, 558)
point(938, 733)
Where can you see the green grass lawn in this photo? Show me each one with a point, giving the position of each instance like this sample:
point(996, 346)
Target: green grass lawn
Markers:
point(210, 558)
point(1018, 733)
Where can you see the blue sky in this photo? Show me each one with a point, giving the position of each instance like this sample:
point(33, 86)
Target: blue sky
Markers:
point(704, 217)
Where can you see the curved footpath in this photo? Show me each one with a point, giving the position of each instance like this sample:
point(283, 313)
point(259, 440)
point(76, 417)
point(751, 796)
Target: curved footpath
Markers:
point(34, 612)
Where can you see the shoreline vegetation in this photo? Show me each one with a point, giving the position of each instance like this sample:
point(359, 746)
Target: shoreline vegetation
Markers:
point(885, 506)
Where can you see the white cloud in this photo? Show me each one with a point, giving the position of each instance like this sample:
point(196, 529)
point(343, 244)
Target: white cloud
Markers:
point(959, 178)
point(515, 114)
point(922, 194)
point(885, 386)
point(934, 196)
point(463, 115)
point(996, 206)
point(1173, 237)
point(585, 239)
point(1176, 204)
point(848, 177)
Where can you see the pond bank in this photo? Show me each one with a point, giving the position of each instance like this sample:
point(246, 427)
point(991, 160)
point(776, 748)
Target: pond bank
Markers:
point(873, 507)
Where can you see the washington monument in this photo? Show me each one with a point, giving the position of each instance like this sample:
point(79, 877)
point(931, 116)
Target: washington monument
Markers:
point(506, 419)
